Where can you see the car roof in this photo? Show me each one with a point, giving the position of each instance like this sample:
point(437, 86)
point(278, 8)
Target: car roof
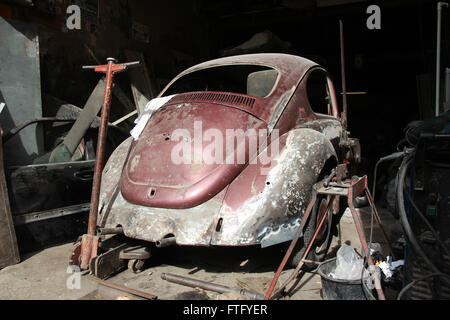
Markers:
point(292, 70)
point(279, 61)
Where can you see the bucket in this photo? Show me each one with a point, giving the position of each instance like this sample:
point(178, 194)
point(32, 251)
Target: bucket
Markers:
point(338, 289)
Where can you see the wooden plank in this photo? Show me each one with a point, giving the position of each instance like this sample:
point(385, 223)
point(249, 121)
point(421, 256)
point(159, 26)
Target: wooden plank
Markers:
point(9, 251)
point(141, 85)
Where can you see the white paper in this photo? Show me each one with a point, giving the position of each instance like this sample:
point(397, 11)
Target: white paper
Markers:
point(151, 107)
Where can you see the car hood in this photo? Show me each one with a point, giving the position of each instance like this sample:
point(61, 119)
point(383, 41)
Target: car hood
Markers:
point(165, 167)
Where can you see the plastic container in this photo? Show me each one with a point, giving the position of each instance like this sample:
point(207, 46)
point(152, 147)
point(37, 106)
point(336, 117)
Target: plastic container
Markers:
point(338, 289)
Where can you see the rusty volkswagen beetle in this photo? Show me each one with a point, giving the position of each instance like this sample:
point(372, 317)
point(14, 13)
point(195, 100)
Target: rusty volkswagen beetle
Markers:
point(227, 155)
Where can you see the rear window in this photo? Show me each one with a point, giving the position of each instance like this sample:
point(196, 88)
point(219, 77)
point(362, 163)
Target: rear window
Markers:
point(252, 80)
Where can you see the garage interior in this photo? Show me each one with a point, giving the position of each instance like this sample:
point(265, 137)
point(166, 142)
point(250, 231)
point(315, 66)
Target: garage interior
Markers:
point(390, 79)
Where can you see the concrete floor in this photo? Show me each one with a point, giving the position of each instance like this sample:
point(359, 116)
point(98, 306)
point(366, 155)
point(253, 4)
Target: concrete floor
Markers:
point(44, 274)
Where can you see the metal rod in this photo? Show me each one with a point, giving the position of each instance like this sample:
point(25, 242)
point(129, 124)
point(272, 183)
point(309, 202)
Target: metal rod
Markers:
point(93, 213)
point(305, 254)
point(193, 283)
point(363, 241)
point(438, 54)
point(344, 86)
point(115, 123)
point(311, 262)
point(125, 289)
point(380, 226)
point(166, 242)
point(50, 214)
point(89, 242)
point(292, 245)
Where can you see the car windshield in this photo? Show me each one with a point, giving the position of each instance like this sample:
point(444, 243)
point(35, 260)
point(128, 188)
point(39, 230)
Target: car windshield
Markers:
point(252, 80)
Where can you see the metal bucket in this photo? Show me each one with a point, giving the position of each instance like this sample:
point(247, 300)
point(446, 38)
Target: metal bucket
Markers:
point(338, 289)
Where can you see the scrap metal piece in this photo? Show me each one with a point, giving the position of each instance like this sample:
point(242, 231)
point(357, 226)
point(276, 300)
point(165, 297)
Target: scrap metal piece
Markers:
point(50, 214)
point(341, 172)
point(85, 119)
point(193, 283)
point(106, 231)
point(39, 189)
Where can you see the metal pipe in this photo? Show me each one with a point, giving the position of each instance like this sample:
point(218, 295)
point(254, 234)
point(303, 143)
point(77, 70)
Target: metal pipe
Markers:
point(119, 121)
point(89, 242)
point(293, 243)
point(380, 226)
point(105, 231)
point(166, 242)
point(193, 283)
point(93, 213)
point(363, 241)
point(305, 254)
point(344, 85)
point(438, 54)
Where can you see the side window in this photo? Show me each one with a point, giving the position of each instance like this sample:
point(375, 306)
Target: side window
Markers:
point(318, 92)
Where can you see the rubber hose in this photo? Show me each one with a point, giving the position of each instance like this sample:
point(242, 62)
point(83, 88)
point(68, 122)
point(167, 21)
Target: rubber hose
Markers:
point(403, 217)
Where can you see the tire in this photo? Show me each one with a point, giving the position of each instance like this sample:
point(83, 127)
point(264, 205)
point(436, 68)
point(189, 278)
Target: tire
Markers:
point(360, 202)
point(320, 247)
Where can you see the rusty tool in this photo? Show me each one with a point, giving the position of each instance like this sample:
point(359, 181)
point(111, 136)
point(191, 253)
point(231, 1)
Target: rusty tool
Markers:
point(194, 283)
point(89, 241)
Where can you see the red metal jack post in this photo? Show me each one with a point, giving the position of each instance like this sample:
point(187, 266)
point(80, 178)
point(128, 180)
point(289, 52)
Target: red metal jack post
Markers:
point(89, 241)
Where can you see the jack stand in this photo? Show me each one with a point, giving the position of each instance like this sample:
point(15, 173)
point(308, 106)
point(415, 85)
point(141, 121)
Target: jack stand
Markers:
point(85, 252)
point(349, 189)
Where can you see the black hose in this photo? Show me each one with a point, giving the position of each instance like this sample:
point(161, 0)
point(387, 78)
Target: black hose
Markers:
point(390, 157)
point(428, 224)
point(403, 217)
point(410, 285)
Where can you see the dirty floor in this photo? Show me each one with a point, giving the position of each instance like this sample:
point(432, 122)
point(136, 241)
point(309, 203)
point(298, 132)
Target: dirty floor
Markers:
point(45, 275)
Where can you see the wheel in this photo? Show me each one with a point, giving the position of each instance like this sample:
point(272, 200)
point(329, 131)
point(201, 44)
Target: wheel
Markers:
point(322, 243)
point(136, 265)
point(360, 202)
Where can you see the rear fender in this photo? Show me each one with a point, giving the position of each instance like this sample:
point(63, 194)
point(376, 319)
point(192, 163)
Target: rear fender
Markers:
point(265, 204)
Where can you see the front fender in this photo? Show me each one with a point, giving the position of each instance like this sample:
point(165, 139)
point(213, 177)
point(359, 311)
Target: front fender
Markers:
point(264, 204)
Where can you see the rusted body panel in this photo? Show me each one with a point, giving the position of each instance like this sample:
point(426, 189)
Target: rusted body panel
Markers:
point(191, 226)
point(257, 208)
point(150, 168)
point(255, 203)
point(267, 209)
